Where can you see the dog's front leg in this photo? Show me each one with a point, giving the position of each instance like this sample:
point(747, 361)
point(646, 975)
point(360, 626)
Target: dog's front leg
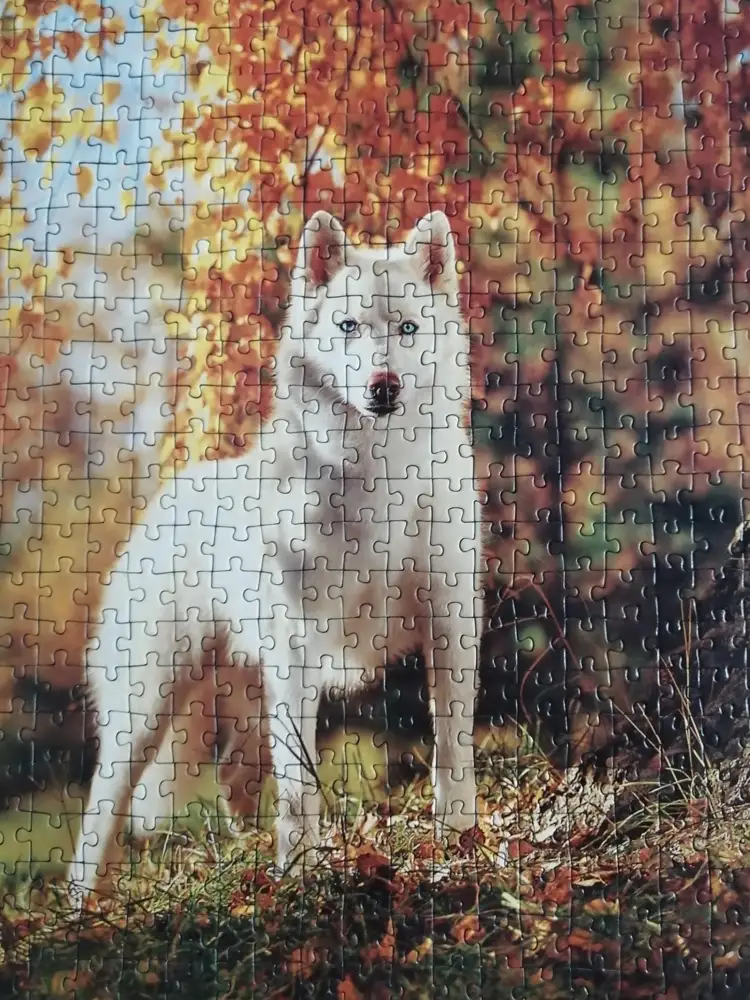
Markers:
point(292, 724)
point(452, 654)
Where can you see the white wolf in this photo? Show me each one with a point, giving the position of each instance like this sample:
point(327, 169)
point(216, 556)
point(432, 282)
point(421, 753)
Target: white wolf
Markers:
point(348, 536)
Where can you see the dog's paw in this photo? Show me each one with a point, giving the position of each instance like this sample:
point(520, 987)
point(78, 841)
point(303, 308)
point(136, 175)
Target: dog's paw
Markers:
point(450, 824)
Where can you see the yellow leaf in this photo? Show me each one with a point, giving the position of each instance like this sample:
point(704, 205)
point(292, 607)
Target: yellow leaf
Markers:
point(111, 91)
point(420, 952)
point(61, 982)
point(466, 929)
point(84, 180)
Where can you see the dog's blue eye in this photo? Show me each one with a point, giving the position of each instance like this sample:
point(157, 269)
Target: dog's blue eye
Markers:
point(408, 328)
point(348, 326)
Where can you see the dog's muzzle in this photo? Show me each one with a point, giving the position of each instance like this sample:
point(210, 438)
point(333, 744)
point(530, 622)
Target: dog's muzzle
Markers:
point(382, 393)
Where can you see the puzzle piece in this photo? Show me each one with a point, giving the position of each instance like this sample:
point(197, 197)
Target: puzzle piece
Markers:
point(372, 531)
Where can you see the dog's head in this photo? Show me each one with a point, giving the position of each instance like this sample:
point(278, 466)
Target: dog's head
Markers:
point(378, 328)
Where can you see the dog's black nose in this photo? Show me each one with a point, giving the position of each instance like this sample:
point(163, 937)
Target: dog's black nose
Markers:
point(382, 392)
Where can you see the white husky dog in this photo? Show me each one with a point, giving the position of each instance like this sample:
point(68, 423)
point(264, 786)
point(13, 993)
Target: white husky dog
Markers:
point(349, 536)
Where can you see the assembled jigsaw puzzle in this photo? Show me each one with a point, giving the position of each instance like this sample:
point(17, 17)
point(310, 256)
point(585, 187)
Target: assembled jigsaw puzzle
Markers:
point(374, 525)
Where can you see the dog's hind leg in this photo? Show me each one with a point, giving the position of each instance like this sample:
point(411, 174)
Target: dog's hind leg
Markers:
point(292, 690)
point(134, 697)
point(244, 760)
point(164, 785)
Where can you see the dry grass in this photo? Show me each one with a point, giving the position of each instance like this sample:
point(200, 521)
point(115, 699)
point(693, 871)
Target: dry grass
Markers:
point(549, 897)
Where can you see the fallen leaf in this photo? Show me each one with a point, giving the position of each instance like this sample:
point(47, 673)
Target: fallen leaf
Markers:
point(422, 951)
point(303, 961)
point(519, 849)
point(370, 863)
point(466, 929)
point(347, 990)
point(384, 949)
point(469, 840)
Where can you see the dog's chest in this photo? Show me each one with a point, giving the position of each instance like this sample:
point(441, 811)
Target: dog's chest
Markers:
point(359, 521)
point(366, 524)
point(354, 493)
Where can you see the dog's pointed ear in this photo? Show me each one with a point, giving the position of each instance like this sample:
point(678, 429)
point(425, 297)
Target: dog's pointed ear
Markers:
point(321, 252)
point(434, 251)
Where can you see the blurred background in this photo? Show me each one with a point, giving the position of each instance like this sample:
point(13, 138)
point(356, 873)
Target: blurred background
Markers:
point(156, 165)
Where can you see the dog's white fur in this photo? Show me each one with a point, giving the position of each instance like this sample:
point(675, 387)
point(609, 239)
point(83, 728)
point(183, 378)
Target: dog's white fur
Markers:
point(341, 541)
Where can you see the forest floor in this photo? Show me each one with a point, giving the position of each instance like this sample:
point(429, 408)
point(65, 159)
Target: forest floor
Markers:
point(552, 896)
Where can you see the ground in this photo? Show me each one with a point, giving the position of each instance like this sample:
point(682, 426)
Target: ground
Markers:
point(552, 896)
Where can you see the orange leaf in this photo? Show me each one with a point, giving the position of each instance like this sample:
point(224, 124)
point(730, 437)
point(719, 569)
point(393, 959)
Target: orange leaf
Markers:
point(519, 849)
point(426, 851)
point(303, 961)
point(466, 929)
point(559, 890)
point(370, 863)
point(470, 839)
point(385, 949)
point(347, 990)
